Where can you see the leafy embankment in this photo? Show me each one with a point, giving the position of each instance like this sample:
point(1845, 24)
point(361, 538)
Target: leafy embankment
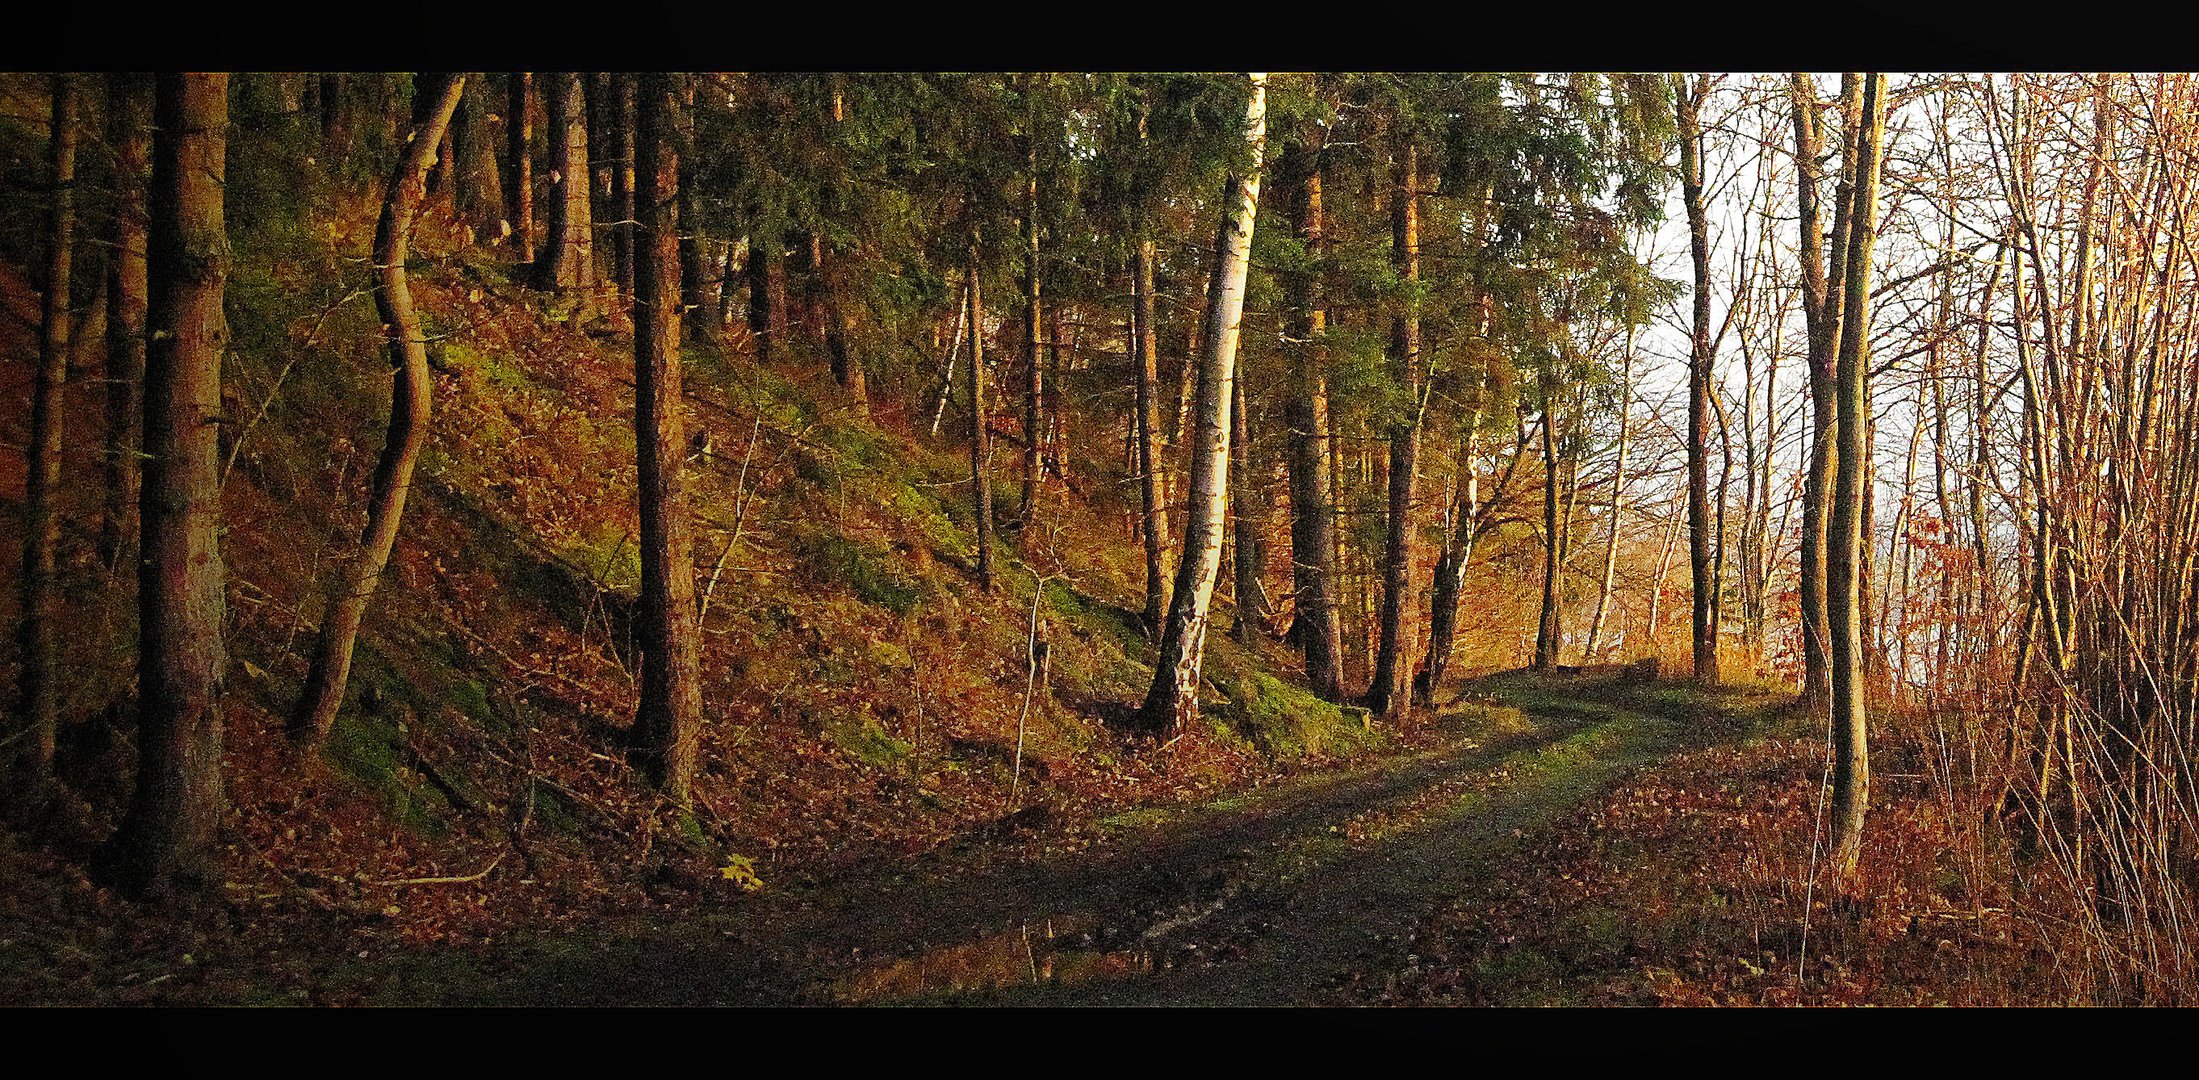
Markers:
point(1703, 882)
point(863, 696)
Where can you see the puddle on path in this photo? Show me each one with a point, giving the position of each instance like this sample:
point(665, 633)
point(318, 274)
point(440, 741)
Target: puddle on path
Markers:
point(1048, 951)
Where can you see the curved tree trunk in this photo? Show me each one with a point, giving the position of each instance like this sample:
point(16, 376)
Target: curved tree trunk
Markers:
point(40, 710)
point(1173, 700)
point(166, 843)
point(410, 404)
point(670, 717)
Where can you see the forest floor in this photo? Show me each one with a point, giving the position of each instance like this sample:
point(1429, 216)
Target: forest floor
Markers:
point(1296, 893)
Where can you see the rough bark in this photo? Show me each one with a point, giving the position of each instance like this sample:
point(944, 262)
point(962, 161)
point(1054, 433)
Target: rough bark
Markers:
point(567, 258)
point(1312, 506)
point(669, 719)
point(1172, 702)
point(980, 436)
point(410, 403)
point(130, 134)
point(1389, 693)
point(39, 704)
point(1153, 513)
point(519, 163)
point(1700, 363)
point(166, 843)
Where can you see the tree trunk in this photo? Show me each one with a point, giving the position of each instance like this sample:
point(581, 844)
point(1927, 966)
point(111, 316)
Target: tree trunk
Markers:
point(981, 450)
point(1389, 694)
point(626, 116)
point(410, 404)
point(1547, 627)
point(1248, 541)
point(1618, 500)
point(519, 163)
point(1851, 754)
point(130, 134)
point(1146, 360)
point(567, 259)
point(766, 285)
point(1172, 702)
point(166, 843)
point(670, 717)
point(1034, 337)
point(480, 188)
point(41, 519)
point(1312, 506)
point(1700, 364)
point(1824, 294)
point(695, 274)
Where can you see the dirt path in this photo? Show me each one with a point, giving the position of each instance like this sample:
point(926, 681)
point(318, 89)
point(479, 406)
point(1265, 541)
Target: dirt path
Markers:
point(1272, 898)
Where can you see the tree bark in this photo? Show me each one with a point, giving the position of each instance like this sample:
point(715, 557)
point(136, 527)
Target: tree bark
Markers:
point(669, 720)
point(980, 435)
point(1618, 500)
point(40, 708)
point(1153, 512)
point(1389, 694)
point(130, 134)
point(1312, 506)
point(567, 258)
point(1851, 754)
point(410, 404)
point(1172, 703)
point(1700, 365)
point(166, 843)
point(519, 163)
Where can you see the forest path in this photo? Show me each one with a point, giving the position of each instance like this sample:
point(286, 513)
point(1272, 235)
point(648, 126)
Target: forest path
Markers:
point(1271, 897)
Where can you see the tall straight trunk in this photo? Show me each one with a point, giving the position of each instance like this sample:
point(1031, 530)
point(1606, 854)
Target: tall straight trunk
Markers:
point(40, 710)
point(695, 276)
point(1618, 500)
point(411, 387)
point(1312, 507)
point(1547, 629)
point(1146, 361)
point(1173, 700)
point(480, 187)
point(981, 450)
point(519, 163)
point(1034, 337)
point(625, 114)
point(1700, 365)
point(166, 843)
point(1389, 692)
point(1851, 752)
point(567, 257)
point(1247, 539)
point(130, 135)
point(1824, 296)
point(832, 278)
point(669, 719)
point(766, 285)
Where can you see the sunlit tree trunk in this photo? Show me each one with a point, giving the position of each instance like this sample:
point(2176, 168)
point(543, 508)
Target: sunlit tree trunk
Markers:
point(1700, 368)
point(1851, 754)
point(519, 163)
point(567, 264)
point(1389, 693)
point(670, 716)
point(411, 400)
point(1312, 505)
point(166, 843)
point(1151, 508)
point(1172, 702)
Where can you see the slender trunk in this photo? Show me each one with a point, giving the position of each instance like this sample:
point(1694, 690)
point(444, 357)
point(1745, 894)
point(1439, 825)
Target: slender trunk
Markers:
point(566, 264)
point(1700, 367)
point(980, 437)
point(669, 719)
point(410, 403)
point(519, 163)
point(1547, 629)
point(1034, 326)
point(1173, 700)
point(1153, 512)
point(1851, 756)
point(1248, 541)
point(1389, 693)
point(626, 115)
point(130, 134)
point(166, 843)
point(1618, 499)
point(1312, 507)
point(41, 519)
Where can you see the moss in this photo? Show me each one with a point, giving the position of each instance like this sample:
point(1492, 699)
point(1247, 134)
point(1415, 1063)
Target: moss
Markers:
point(863, 569)
point(1289, 721)
point(868, 743)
